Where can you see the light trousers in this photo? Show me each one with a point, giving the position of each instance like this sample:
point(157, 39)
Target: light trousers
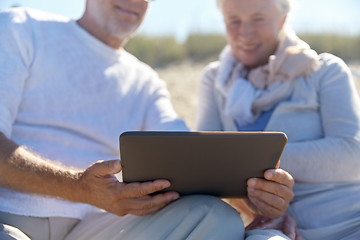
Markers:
point(192, 217)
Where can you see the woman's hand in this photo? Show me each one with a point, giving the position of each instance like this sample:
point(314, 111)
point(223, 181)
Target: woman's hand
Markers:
point(270, 197)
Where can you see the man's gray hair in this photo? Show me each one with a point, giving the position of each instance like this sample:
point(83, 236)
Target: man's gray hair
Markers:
point(283, 5)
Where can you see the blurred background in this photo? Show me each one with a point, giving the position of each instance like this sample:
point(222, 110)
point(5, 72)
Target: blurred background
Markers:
point(178, 38)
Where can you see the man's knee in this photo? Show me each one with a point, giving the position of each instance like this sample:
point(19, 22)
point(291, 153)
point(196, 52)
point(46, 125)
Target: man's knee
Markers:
point(10, 233)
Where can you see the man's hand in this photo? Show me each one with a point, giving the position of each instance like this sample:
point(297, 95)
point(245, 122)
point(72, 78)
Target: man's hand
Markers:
point(25, 171)
point(99, 187)
point(270, 197)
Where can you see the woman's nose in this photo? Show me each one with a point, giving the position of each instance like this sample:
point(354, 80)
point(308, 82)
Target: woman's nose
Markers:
point(246, 30)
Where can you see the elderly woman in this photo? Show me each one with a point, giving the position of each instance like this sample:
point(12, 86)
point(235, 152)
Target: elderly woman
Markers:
point(268, 79)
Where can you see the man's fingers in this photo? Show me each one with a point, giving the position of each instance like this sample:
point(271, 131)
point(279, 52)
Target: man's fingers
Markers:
point(123, 198)
point(105, 168)
point(150, 204)
point(137, 190)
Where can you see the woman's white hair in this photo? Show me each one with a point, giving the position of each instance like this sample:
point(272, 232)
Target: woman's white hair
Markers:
point(283, 5)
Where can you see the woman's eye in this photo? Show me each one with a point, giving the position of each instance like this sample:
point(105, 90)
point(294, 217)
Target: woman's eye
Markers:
point(235, 22)
point(259, 19)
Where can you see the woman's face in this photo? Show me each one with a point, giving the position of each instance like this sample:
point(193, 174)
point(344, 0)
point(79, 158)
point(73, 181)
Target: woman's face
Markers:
point(253, 28)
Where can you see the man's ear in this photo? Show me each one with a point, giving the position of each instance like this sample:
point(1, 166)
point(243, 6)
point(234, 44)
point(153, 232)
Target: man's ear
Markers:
point(283, 20)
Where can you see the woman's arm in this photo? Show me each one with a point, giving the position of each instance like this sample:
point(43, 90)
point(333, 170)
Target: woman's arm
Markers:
point(335, 157)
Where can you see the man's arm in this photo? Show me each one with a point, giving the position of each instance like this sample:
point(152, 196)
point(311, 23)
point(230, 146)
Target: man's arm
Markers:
point(24, 171)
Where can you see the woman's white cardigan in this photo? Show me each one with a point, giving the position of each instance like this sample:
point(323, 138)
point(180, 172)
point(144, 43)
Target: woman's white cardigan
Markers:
point(322, 122)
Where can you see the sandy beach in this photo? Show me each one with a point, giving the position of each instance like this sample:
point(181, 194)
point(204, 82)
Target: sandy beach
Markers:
point(183, 81)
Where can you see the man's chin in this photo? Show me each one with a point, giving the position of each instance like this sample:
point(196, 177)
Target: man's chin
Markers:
point(125, 33)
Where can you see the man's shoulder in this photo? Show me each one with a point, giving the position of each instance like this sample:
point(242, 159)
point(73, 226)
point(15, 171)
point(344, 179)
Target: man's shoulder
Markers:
point(138, 65)
point(23, 14)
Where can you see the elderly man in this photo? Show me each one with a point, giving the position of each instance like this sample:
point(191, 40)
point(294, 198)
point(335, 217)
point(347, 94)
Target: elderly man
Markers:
point(67, 90)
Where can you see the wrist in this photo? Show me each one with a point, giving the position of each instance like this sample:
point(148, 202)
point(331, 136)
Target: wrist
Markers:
point(75, 188)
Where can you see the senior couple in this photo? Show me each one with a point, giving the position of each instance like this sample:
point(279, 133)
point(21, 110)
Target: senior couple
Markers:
point(68, 89)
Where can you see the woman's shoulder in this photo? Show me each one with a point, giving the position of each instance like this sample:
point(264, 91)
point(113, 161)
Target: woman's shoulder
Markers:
point(210, 71)
point(329, 60)
point(212, 66)
point(331, 68)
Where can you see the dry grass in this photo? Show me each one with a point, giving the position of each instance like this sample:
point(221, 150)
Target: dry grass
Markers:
point(182, 81)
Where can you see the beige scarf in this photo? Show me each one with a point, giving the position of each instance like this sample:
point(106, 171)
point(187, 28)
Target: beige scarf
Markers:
point(266, 85)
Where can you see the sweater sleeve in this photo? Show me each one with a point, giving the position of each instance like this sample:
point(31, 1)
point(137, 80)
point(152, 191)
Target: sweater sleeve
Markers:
point(208, 117)
point(15, 59)
point(335, 157)
point(160, 114)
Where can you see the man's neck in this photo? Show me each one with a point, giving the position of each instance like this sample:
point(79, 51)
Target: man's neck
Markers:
point(97, 32)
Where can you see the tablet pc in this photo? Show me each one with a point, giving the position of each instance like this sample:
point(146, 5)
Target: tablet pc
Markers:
point(215, 163)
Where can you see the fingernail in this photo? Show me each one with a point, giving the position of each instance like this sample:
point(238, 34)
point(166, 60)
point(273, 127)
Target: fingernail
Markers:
point(251, 182)
point(250, 189)
point(166, 184)
point(117, 164)
point(269, 174)
point(175, 196)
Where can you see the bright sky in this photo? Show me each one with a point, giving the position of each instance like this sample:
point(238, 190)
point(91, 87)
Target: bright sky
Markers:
point(181, 17)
